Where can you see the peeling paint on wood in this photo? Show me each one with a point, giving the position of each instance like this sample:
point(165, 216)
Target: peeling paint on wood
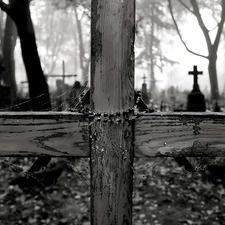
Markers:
point(112, 91)
point(111, 160)
point(112, 40)
point(60, 134)
point(35, 134)
point(180, 134)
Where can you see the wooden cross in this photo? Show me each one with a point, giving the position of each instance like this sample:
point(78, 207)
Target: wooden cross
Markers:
point(112, 134)
point(195, 73)
point(63, 75)
point(144, 78)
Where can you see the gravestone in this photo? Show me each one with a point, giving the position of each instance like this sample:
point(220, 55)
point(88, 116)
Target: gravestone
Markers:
point(4, 97)
point(58, 95)
point(144, 91)
point(196, 100)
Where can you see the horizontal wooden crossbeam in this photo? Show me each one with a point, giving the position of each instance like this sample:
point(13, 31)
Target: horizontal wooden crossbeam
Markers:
point(49, 133)
point(60, 134)
point(180, 134)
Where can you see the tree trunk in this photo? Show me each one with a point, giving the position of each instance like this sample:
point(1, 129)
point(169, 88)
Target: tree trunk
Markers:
point(151, 55)
point(213, 76)
point(8, 47)
point(212, 46)
point(83, 64)
point(19, 11)
point(1, 29)
point(38, 88)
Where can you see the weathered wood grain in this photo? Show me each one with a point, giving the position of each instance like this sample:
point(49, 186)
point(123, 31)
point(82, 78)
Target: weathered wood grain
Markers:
point(156, 134)
point(178, 134)
point(50, 133)
point(112, 91)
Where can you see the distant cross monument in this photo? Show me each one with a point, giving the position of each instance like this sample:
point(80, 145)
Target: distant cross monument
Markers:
point(196, 100)
point(63, 75)
point(195, 73)
point(144, 79)
point(61, 87)
point(60, 84)
point(144, 91)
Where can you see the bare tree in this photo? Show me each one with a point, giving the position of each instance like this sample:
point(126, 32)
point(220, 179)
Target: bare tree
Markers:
point(19, 11)
point(212, 45)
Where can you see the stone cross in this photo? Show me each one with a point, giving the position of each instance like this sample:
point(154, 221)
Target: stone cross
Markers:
point(196, 100)
point(195, 73)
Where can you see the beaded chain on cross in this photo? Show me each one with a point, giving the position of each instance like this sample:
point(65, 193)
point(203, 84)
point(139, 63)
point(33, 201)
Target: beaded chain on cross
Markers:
point(119, 117)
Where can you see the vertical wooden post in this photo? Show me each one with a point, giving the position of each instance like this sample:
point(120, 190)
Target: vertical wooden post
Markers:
point(112, 95)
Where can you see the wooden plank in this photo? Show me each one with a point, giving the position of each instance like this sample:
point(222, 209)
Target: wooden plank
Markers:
point(49, 133)
point(112, 91)
point(180, 134)
point(156, 134)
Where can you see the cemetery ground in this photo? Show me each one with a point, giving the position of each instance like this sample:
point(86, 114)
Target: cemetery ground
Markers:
point(163, 194)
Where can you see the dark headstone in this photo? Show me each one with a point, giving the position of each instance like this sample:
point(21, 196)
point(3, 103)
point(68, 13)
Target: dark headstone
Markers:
point(4, 97)
point(144, 92)
point(217, 107)
point(196, 100)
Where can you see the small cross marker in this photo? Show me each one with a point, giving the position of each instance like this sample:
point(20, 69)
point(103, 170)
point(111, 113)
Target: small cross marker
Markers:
point(144, 78)
point(195, 73)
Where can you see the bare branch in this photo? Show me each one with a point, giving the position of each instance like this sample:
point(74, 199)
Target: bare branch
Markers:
point(179, 34)
point(201, 23)
point(214, 28)
point(5, 7)
point(186, 6)
point(214, 17)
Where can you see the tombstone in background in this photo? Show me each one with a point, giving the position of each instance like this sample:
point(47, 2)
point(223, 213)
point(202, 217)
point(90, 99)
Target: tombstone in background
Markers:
point(75, 94)
point(58, 95)
point(196, 100)
point(217, 107)
point(144, 92)
point(4, 97)
point(195, 103)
